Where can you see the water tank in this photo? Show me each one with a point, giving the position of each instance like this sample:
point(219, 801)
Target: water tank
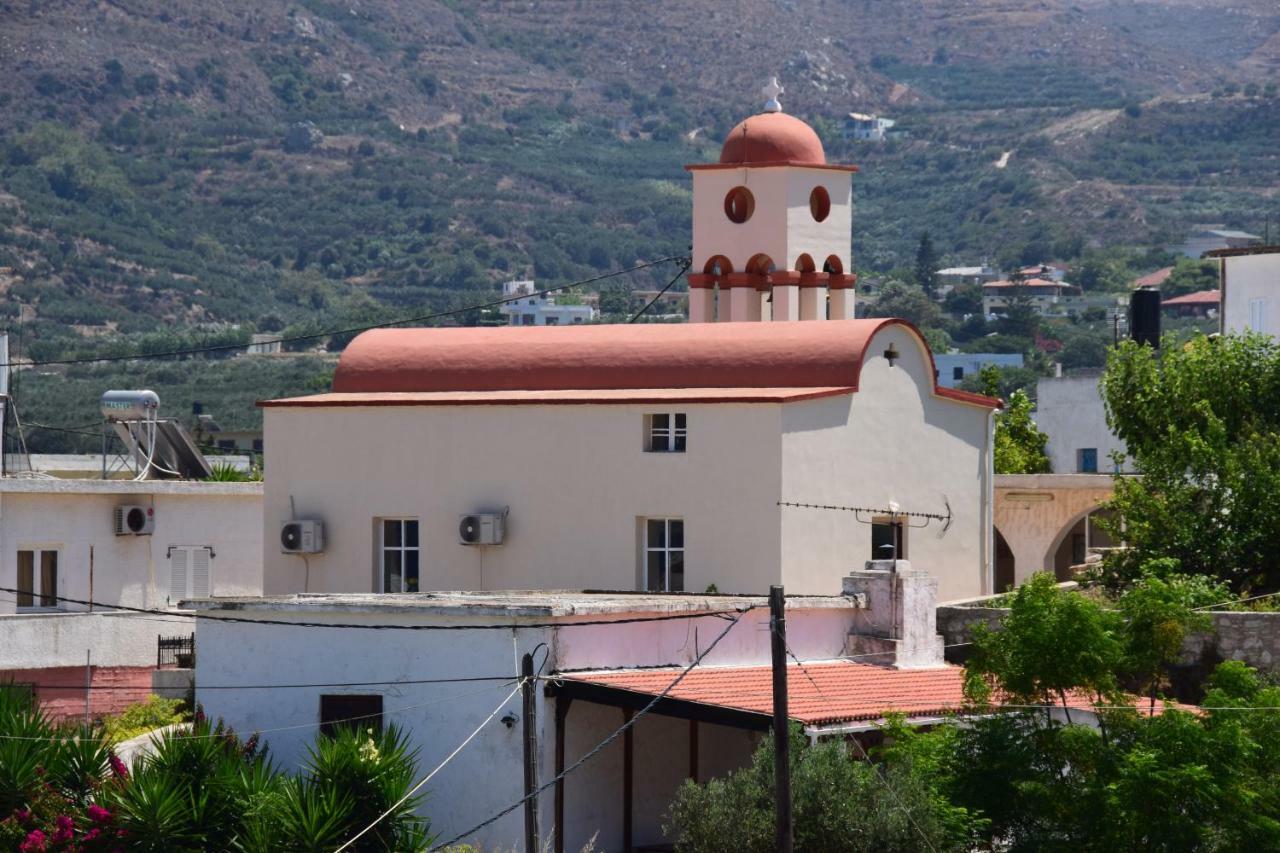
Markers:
point(129, 405)
point(1144, 315)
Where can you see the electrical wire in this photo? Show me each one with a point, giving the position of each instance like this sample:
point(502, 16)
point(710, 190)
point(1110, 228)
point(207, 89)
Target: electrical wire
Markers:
point(604, 743)
point(685, 263)
point(105, 688)
point(436, 315)
point(310, 724)
point(437, 769)
point(355, 625)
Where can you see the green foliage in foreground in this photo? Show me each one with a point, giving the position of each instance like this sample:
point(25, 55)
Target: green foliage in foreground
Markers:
point(1202, 424)
point(64, 789)
point(1020, 445)
point(142, 717)
point(842, 805)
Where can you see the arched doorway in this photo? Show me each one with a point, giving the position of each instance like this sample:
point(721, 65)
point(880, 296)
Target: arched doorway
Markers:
point(1077, 540)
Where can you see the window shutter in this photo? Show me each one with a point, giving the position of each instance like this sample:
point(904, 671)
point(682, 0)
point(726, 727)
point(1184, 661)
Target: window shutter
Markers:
point(179, 561)
point(200, 572)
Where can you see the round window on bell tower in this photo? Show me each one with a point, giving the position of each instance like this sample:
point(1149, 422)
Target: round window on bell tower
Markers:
point(819, 204)
point(739, 204)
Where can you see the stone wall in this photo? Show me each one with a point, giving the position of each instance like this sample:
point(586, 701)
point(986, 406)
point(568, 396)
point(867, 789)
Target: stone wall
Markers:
point(1253, 638)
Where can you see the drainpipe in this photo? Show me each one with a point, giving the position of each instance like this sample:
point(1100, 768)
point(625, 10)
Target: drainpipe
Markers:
point(989, 525)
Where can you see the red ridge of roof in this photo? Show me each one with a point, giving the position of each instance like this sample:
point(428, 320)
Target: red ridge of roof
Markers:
point(772, 137)
point(1202, 297)
point(558, 397)
point(802, 354)
point(1154, 279)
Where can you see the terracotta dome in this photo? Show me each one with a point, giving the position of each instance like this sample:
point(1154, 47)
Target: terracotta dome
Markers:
point(773, 138)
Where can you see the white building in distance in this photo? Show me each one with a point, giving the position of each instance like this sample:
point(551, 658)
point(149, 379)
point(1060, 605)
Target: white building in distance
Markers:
point(1250, 289)
point(1069, 410)
point(541, 309)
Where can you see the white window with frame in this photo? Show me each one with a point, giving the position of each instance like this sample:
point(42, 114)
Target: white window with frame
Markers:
point(189, 572)
point(664, 554)
point(1258, 315)
point(37, 579)
point(398, 554)
point(666, 432)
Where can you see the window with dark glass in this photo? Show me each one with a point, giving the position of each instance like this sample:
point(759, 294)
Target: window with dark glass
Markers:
point(1087, 460)
point(37, 579)
point(888, 539)
point(342, 710)
point(399, 554)
point(667, 432)
point(664, 554)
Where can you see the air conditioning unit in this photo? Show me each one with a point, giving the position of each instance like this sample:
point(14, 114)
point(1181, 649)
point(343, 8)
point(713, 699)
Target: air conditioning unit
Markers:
point(134, 520)
point(305, 536)
point(482, 528)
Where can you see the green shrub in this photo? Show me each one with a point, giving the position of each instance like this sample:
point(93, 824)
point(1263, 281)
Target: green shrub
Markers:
point(142, 717)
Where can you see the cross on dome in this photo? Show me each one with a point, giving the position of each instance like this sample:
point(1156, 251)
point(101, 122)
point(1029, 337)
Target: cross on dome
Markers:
point(771, 91)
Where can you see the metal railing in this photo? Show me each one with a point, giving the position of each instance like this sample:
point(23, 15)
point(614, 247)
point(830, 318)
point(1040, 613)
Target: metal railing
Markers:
point(179, 652)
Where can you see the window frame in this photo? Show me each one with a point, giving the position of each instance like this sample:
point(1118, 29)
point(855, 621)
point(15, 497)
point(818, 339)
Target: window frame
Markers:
point(666, 549)
point(674, 436)
point(38, 593)
point(329, 727)
point(899, 526)
point(1084, 453)
point(402, 549)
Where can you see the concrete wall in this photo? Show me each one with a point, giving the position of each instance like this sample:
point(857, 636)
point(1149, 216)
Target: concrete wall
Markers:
point(72, 516)
point(892, 441)
point(32, 640)
point(1251, 292)
point(576, 479)
point(486, 775)
point(1069, 410)
point(1253, 638)
point(1035, 512)
point(971, 364)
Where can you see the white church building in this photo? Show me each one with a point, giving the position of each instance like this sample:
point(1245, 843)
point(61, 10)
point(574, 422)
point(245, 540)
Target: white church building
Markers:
point(650, 457)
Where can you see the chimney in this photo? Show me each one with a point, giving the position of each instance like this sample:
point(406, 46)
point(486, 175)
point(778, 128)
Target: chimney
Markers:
point(898, 629)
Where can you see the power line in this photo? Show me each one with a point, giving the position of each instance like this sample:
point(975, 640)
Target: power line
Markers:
point(600, 746)
point(356, 625)
point(80, 688)
point(685, 263)
point(437, 769)
point(423, 318)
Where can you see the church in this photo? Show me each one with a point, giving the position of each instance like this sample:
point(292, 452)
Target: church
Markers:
point(772, 439)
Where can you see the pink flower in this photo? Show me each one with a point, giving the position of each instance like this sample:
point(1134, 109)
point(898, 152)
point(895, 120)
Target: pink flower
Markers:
point(23, 816)
point(66, 829)
point(35, 843)
point(92, 835)
point(98, 814)
point(118, 768)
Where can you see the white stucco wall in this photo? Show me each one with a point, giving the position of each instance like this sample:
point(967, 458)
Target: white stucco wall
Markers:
point(1251, 296)
point(894, 440)
point(781, 227)
point(1070, 412)
point(46, 640)
point(72, 516)
point(487, 775)
point(576, 479)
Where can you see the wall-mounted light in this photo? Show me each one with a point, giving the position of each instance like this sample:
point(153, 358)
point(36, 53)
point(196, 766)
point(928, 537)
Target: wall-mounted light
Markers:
point(891, 355)
point(509, 719)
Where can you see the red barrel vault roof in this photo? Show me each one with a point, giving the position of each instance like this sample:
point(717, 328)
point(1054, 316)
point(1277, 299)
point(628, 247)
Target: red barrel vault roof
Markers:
point(795, 355)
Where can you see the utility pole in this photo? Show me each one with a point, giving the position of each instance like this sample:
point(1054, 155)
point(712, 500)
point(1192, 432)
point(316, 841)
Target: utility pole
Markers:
point(784, 842)
point(527, 686)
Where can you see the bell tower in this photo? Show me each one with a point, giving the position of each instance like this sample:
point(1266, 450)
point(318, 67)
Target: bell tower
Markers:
point(772, 225)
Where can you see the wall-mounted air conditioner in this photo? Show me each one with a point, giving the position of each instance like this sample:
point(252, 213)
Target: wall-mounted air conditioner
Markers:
point(134, 520)
point(482, 528)
point(305, 536)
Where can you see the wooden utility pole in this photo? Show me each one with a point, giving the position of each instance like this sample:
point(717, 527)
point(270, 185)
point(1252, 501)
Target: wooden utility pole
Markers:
point(784, 841)
point(529, 717)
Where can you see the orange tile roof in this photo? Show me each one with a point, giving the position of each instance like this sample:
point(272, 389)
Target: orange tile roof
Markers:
point(559, 397)
point(1203, 297)
point(1154, 279)
point(822, 693)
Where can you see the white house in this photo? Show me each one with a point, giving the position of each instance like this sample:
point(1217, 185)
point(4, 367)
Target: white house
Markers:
point(59, 540)
point(441, 664)
point(1069, 410)
point(954, 276)
point(1250, 289)
point(1210, 238)
point(1043, 294)
point(954, 367)
point(866, 128)
point(629, 457)
point(540, 309)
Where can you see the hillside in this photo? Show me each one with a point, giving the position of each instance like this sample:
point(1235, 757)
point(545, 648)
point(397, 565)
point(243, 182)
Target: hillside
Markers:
point(154, 180)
